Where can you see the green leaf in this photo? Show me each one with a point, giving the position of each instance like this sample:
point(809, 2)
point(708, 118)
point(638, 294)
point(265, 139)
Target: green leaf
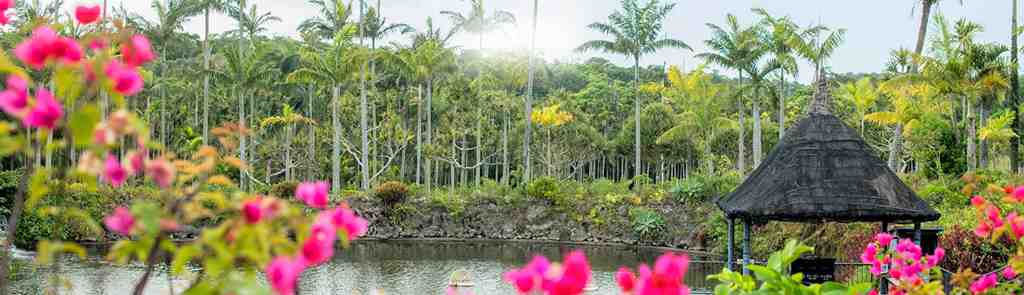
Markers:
point(69, 84)
point(82, 122)
point(37, 187)
point(182, 257)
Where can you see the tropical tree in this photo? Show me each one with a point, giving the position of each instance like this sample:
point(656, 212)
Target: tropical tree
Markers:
point(427, 62)
point(863, 95)
point(732, 48)
point(529, 96)
point(206, 6)
point(1016, 125)
point(818, 47)
point(635, 30)
point(288, 119)
point(778, 33)
point(171, 16)
point(333, 18)
point(702, 119)
point(244, 70)
point(476, 21)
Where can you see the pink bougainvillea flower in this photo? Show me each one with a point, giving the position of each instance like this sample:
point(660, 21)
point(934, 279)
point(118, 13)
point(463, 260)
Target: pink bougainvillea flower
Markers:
point(127, 80)
point(6, 4)
point(626, 280)
point(103, 135)
point(46, 113)
point(977, 201)
point(313, 193)
point(870, 253)
point(1016, 224)
point(44, 45)
point(120, 221)
point(575, 276)
point(113, 172)
point(1018, 194)
point(87, 14)
point(1009, 273)
point(984, 283)
point(344, 218)
point(531, 277)
point(136, 162)
point(994, 216)
point(252, 210)
point(522, 280)
point(883, 239)
point(319, 246)
point(161, 171)
point(283, 273)
point(37, 49)
point(99, 43)
point(666, 277)
point(14, 100)
point(137, 51)
point(934, 259)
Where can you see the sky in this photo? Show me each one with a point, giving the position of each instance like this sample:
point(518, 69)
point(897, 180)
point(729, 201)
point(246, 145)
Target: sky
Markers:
point(875, 27)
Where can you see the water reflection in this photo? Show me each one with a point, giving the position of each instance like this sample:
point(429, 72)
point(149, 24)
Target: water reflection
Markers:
point(396, 267)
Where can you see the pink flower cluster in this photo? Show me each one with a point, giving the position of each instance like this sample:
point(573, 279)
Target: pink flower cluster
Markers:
point(45, 45)
point(907, 261)
point(120, 221)
point(258, 209)
point(115, 171)
point(569, 278)
point(87, 14)
point(318, 247)
point(14, 101)
point(665, 279)
point(4, 6)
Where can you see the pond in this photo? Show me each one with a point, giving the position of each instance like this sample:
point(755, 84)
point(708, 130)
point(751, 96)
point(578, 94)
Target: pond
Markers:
point(392, 267)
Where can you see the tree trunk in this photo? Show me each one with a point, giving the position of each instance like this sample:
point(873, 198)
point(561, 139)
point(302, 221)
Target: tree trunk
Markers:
point(430, 130)
point(12, 224)
point(922, 31)
point(782, 106)
point(972, 139)
point(741, 154)
point(504, 150)
point(364, 153)
point(288, 152)
point(983, 147)
point(479, 142)
point(206, 77)
point(529, 99)
point(335, 142)
point(419, 134)
point(1018, 127)
point(242, 138)
point(894, 148)
point(756, 116)
point(311, 148)
point(636, 113)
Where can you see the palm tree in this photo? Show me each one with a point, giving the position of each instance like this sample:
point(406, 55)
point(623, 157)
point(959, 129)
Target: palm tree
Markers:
point(779, 32)
point(758, 70)
point(171, 16)
point(251, 23)
point(816, 49)
point(245, 70)
point(206, 6)
point(635, 31)
point(732, 48)
point(529, 97)
point(289, 119)
point(702, 118)
point(922, 31)
point(863, 95)
point(477, 22)
point(333, 18)
point(330, 68)
point(1016, 125)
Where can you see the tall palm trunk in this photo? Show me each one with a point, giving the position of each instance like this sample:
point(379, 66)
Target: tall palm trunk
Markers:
point(336, 141)
point(529, 98)
point(636, 113)
point(430, 129)
point(290, 130)
point(972, 162)
point(983, 146)
point(419, 133)
point(922, 30)
point(756, 116)
point(243, 180)
point(782, 106)
point(504, 150)
point(741, 146)
point(206, 77)
point(311, 148)
point(1014, 97)
point(364, 155)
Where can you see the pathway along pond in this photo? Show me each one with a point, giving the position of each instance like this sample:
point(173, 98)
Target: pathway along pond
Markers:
point(393, 267)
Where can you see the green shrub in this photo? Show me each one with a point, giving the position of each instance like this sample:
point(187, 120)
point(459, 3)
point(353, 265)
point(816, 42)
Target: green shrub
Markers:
point(691, 188)
point(392, 192)
point(603, 187)
point(647, 224)
point(545, 188)
point(284, 189)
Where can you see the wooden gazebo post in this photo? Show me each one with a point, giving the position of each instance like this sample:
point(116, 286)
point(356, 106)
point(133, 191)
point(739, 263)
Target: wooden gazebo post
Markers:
point(746, 246)
point(732, 243)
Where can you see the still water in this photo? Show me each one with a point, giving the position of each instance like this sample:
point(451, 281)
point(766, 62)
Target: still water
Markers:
point(394, 267)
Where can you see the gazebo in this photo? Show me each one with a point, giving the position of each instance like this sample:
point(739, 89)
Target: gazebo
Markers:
point(822, 170)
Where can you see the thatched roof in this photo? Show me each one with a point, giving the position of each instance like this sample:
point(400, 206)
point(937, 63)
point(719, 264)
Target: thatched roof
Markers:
point(824, 171)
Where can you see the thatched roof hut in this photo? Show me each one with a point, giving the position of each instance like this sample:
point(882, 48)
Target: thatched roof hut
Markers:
point(822, 170)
